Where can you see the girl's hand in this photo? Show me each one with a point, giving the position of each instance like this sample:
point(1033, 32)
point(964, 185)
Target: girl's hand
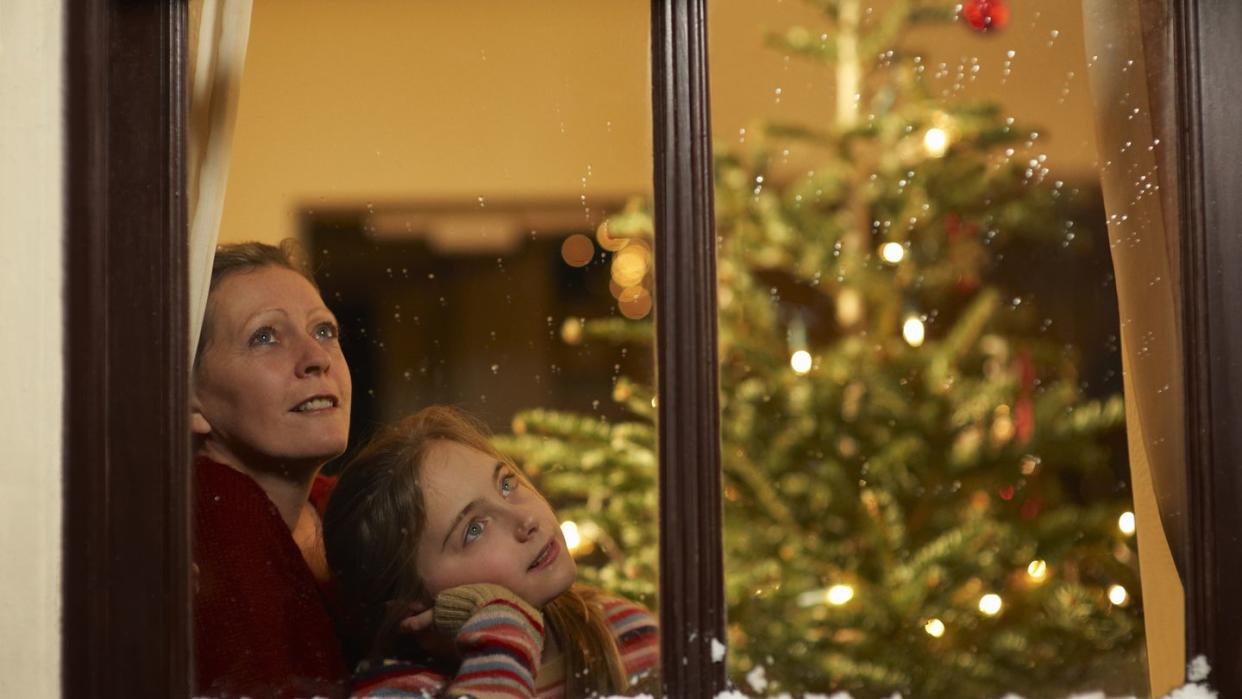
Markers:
point(421, 618)
point(419, 626)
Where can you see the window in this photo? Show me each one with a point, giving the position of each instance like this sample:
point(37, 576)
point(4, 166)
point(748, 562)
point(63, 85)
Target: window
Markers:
point(126, 522)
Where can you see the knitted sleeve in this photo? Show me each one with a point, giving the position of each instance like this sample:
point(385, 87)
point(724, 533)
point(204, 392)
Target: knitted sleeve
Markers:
point(498, 636)
point(637, 635)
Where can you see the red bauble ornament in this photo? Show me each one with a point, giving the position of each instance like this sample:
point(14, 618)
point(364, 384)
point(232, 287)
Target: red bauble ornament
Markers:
point(984, 15)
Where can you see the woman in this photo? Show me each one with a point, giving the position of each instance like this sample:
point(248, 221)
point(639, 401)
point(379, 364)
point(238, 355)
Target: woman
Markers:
point(456, 581)
point(270, 405)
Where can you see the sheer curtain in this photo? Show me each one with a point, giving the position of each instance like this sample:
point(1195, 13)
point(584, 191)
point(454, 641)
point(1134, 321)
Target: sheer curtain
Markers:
point(219, 30)
point(1130, 53)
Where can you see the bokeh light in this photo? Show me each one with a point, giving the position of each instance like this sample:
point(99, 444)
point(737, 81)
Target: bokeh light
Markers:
point(577, 250)
point(913, 331)
point(892, 253)
point(839, 594)
point(1126, 523)
point(801, 362)
point(990, 604)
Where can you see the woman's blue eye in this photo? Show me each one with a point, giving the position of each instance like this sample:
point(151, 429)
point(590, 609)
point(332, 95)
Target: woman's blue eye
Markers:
point(327, 331)
point(263, 336)
point(473, 531)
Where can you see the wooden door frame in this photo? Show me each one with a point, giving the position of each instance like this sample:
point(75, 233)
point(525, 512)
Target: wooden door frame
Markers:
point(126, 586)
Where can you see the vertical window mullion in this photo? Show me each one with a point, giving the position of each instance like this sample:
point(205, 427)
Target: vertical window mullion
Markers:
point(692, 610)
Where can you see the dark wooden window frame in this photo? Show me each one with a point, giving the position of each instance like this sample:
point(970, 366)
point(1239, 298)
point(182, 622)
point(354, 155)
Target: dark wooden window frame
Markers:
point(1208, 48)
point(126, 586)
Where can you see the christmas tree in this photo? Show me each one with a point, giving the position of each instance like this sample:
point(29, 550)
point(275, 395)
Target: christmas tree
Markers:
point(919, 496)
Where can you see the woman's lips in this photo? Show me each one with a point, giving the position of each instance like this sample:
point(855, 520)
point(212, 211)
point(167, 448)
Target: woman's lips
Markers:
point(546, 556)
point(316, 404)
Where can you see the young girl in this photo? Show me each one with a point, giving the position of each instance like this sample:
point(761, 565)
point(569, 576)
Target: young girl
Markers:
point(456, 580)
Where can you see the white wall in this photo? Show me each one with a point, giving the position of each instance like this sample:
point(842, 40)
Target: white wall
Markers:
point(31, 224)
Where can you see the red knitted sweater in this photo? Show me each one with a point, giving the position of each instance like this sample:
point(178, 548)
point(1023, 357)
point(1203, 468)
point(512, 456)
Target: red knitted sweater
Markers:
point(262, 626)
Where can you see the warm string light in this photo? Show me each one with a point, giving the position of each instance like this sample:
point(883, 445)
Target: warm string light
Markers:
point(892, 253)
point(934, 628)
point(1037, 571)
point(1118, 595)
point(573, 539)
point(936, 141)
point(800, 359)
point(913, 331)
point(631, 263)
point(990, 604)
point(1126, 523)
point(801, 362)
point(839, 594)
point(577, 250)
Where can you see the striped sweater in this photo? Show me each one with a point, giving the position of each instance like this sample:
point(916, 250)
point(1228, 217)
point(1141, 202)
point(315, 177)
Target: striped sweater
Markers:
point(500, 638)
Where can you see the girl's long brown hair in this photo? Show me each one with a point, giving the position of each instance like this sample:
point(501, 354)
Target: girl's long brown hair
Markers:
point(372, 525)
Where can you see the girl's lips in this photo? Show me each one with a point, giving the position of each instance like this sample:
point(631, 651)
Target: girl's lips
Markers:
point(546, 556)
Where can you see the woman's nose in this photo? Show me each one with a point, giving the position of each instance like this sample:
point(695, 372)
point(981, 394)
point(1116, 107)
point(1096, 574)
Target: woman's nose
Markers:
point(313, 359)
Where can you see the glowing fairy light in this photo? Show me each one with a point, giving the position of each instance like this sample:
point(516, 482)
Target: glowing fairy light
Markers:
point(1118, 595)
point(630, 265)
point(577, 250)
point(892, 253)
point(1037, 570)
point(839, 594)
point(990, 604)
point(1126, 523)
point(800, 361)
point(573, 539)
point(913, 331)
point(934, 628)
point(935, 141)
point(836, 595)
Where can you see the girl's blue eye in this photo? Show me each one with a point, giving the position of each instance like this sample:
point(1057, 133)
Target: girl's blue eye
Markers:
point(263, 336)
point(508, 484)
point(474, 530)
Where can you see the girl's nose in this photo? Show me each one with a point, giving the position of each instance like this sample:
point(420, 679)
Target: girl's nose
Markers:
point(527, 526)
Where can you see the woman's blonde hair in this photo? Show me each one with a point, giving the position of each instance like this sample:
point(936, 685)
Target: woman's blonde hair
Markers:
point(372, 526)
point(234, 258)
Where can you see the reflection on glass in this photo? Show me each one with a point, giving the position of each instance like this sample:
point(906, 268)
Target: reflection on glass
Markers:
point(464, 190)
point(925, 472)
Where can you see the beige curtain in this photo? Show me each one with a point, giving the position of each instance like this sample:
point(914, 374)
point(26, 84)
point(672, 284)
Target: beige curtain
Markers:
point(219, 31)
point(1129, 48)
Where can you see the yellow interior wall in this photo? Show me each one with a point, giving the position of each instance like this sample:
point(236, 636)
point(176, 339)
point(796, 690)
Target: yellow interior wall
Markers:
point(370, 100)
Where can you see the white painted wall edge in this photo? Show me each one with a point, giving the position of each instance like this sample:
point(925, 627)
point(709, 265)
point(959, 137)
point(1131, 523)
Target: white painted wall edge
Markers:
point(31, 355)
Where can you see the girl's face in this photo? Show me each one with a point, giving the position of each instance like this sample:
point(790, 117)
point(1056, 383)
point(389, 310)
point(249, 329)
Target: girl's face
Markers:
point(272, 382)
point(486, 525)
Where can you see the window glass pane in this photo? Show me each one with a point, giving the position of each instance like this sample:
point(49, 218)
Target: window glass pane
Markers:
point(925, 468)
point(469, 183)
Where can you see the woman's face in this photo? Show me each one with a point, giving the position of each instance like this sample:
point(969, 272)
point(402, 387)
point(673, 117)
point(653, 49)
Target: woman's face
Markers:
point(484, 524)
point(272, 386)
